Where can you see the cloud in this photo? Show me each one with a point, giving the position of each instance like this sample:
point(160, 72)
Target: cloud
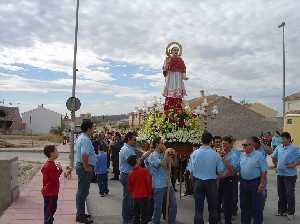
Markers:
point(230, 47)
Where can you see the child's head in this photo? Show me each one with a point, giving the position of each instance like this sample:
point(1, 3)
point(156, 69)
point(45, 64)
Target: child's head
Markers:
point(132, 160)
point(51, 152)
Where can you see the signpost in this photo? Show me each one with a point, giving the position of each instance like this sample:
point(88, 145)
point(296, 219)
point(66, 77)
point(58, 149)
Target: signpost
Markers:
point(73, 103)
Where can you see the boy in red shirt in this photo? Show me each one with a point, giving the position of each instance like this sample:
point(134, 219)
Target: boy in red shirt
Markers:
point(51, 173)
point(140, 187)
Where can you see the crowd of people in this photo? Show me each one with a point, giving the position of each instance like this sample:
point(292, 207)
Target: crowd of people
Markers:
point(229, 178)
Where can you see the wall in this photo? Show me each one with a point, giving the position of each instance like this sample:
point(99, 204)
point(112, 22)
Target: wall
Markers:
point(292, 105)
point(9, 189)
point(42, 120)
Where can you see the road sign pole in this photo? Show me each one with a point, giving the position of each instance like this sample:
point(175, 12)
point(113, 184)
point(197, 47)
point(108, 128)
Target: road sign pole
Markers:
point(73, 90)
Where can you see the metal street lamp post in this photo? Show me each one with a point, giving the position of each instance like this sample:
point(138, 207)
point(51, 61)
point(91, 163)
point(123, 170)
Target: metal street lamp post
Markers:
point(282, 25)
point(203, 110)
point(73, 89)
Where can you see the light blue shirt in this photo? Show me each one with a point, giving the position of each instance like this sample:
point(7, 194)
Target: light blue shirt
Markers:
point(276, 141)
point(158, 172)
point(284, 155)
point(101, 164)
point(233, 159)
point(237, 152)
point(205, 163)
point(252, 165)
point(83, 145)
point(125, 152)
point(262, 150)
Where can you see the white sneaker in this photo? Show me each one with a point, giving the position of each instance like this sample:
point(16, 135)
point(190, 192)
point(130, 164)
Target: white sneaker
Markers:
point(291, 219)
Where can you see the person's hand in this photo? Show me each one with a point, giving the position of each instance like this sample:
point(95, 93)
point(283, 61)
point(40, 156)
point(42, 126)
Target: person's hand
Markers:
point(291, 165)
point(59, 166)
point(260, 188)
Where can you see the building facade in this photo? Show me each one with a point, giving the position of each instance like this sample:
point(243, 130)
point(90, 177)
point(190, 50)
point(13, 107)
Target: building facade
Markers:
point(292, 103)
point(10, 119)
point(41, 120)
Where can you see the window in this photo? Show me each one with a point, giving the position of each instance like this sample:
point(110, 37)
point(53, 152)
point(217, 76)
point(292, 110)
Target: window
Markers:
point(289, 121)
point(2, 113)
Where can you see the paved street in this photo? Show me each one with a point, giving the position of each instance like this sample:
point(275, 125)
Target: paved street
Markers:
point(108, 210)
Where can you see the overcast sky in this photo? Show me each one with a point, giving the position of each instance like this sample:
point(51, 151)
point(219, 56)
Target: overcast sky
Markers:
point(230, 48)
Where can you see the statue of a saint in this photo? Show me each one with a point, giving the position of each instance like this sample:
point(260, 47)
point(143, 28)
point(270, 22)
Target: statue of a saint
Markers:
point(174, 71)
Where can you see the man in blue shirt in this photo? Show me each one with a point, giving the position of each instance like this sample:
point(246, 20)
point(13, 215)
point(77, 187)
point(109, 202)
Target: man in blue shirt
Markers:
point(158, 161)
point(127, 150)
point(253, 171)
point(286, 158)
point(85, 163)
point(225, 194)
point(276, 140)
point(204, 163)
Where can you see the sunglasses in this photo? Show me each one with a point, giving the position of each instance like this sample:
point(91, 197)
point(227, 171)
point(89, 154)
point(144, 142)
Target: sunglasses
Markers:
point(245, 145)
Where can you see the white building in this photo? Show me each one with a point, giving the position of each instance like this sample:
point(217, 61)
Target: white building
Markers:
point(41, 120)
point(292, 103)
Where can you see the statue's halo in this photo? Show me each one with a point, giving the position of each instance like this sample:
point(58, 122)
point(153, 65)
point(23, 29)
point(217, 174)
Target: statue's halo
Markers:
point(171, 45)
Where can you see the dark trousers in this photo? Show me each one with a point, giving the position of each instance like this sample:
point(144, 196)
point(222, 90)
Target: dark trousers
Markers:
point(50, 205)
point(84, 181)
point(208, 189)
point(251, 202)
point(225, 198)
point(188, 183)
point(140, 207)
point(127, 203)
point(286, 194)
point(115, 163)
point(235, 192)
point(102, 183)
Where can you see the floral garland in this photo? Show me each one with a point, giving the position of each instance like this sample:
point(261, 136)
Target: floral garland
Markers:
point(177, 127)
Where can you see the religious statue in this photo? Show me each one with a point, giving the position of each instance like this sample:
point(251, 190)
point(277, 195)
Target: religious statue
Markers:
point(174, 71)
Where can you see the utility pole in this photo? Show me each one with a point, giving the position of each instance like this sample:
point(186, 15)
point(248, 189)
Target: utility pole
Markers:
point(282, 25)
point(73, 90)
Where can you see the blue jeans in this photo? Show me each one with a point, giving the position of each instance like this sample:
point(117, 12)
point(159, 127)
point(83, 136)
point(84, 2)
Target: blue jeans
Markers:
point(251, 202)
point(84, 181)
point(50, 205)
point(208, 189)
point(102, 183)
point(127, 203)
point(158, 196)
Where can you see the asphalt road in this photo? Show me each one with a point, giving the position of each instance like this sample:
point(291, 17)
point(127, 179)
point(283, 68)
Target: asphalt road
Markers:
point(107, 210)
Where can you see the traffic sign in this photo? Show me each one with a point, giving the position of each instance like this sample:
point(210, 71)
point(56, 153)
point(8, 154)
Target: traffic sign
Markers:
point(73, 104)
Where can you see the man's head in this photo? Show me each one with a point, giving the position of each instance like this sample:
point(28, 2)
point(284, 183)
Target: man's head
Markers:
point(175, 51)
point(286, 138)
point(87, 127)
point(255, 142)
point(227, 143)
point(51, 152)
point(130, 138)
point(206, 138)
point(248, 146)
point(158, 144)
point(217, 141)
point(132, 160)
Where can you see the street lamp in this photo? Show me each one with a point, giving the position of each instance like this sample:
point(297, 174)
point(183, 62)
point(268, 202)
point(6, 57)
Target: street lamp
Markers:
point(73, 89)
point(282, 25)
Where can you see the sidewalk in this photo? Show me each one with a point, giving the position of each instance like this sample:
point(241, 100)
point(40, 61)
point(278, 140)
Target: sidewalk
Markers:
point(61, 148)
point(28, 209)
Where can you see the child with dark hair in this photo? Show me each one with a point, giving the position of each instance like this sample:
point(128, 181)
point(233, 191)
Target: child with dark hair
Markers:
point(101, 172)
point(51, 173)
point(140, 188)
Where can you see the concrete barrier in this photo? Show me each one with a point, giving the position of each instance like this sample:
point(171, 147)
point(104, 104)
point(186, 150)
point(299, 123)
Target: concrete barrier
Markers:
point(9, 187)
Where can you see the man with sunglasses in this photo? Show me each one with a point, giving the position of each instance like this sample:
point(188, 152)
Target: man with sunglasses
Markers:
point(286, 158)
point(127, 150)
point(253, 171)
